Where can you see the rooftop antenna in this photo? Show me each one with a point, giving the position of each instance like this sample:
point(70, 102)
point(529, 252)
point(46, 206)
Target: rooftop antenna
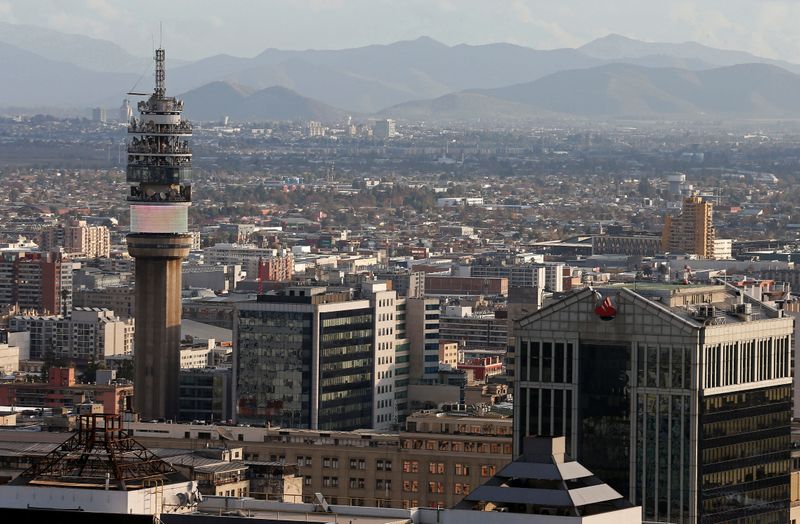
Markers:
point(160, 69)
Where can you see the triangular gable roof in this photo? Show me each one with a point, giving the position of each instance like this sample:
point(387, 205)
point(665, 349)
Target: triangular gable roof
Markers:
point(631, 297)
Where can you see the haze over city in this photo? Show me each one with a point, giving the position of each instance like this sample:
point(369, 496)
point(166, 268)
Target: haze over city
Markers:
point(442, 262)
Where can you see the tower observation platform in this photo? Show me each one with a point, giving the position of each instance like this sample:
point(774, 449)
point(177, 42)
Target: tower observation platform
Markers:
point(159, 174)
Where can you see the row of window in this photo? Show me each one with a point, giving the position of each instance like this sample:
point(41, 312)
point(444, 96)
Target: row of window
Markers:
point(412, 486)
point(438, 468)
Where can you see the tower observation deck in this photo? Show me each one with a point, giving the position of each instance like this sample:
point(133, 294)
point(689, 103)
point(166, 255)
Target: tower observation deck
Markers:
point(159, 174)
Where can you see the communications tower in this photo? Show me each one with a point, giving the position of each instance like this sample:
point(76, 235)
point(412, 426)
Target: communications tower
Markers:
point(159, 169)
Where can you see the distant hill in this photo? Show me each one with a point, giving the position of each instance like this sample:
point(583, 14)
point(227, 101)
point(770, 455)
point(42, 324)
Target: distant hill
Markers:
point(622, 90)
point(78, 50)
point(216, 100)
point(30, 80)
point(420, 78)
point(463, 106)
point(366, 79)
point(621, 48)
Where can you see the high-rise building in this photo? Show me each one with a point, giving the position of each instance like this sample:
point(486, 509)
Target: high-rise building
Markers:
point(680, 397)
point(692, 231)
point(422, 325)
point(40, 282)
point(86, 335)
point(383, 301)
point(159, 168)
point(386, 128)
point(89, 241)
point(78, 238)
point(125, 112)
point(305, 359)
point(99, 114)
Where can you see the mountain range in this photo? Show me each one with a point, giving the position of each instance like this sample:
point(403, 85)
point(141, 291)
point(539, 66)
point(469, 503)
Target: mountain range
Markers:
point(422, 79)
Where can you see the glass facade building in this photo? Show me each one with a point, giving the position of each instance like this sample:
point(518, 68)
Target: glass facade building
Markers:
point(304, 362)
point(689, 416)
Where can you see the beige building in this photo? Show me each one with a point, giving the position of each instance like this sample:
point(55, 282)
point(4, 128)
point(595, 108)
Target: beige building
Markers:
point(436, 462)
point(692, 231)
point(78, 238)
point(448, 353)
point(120, 299)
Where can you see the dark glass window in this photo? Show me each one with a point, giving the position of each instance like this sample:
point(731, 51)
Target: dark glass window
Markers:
point(547, 362)
point(604, 412)
point(558, 362)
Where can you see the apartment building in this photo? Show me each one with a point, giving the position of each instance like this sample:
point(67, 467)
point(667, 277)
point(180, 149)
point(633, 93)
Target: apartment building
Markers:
point(86, 335)
point(435, 462)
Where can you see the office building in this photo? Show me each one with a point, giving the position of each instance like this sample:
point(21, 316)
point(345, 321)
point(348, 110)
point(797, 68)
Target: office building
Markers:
point(85, 335)
point(40, 282)
point(474, 330)
point(119, 299)
point(383, 302)
point(125, 112)
point(384, 129)
point(692, 231)
point(159, 168)
point(402, 360)
point(305, 359)
point(522, 275)
point(465, 286)
point(632, 244)
point(410, 284)
point(218, 278)
point(205, 394)
point(99, 114)
point(422, 328)
point(680, 397)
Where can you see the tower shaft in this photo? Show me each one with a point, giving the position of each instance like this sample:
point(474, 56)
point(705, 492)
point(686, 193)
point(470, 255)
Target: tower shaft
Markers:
point(159, 168)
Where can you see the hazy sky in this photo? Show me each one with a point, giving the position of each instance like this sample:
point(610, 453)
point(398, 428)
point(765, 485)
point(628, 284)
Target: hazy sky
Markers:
point(198, 28)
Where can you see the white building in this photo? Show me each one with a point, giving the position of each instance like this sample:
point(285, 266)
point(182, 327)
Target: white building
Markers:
point(89, 334)
point(385, 129)
point(384, 411)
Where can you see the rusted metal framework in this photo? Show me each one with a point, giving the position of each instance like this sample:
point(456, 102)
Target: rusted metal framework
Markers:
point(99, 455)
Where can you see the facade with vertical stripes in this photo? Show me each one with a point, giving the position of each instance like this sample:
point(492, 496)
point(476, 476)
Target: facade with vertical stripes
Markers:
point(681, 400)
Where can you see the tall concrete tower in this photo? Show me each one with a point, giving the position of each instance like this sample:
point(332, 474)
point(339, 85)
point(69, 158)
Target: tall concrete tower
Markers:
point(159, 168)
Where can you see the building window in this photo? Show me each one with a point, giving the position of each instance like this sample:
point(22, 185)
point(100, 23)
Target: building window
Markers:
point(435, 487)
point(381, 484)
point(410, 486)
point(328, 462)
point(410, 466)
point(436, 468)
point(461, 489)
point(384, 465)
point(330, 482)
point(462, 470)
point(358, 464)
point(307, 480)
point(487, 470)
point(356, 483)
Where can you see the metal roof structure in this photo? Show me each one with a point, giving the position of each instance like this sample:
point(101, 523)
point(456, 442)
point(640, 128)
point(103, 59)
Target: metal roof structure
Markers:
point(100, 455)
